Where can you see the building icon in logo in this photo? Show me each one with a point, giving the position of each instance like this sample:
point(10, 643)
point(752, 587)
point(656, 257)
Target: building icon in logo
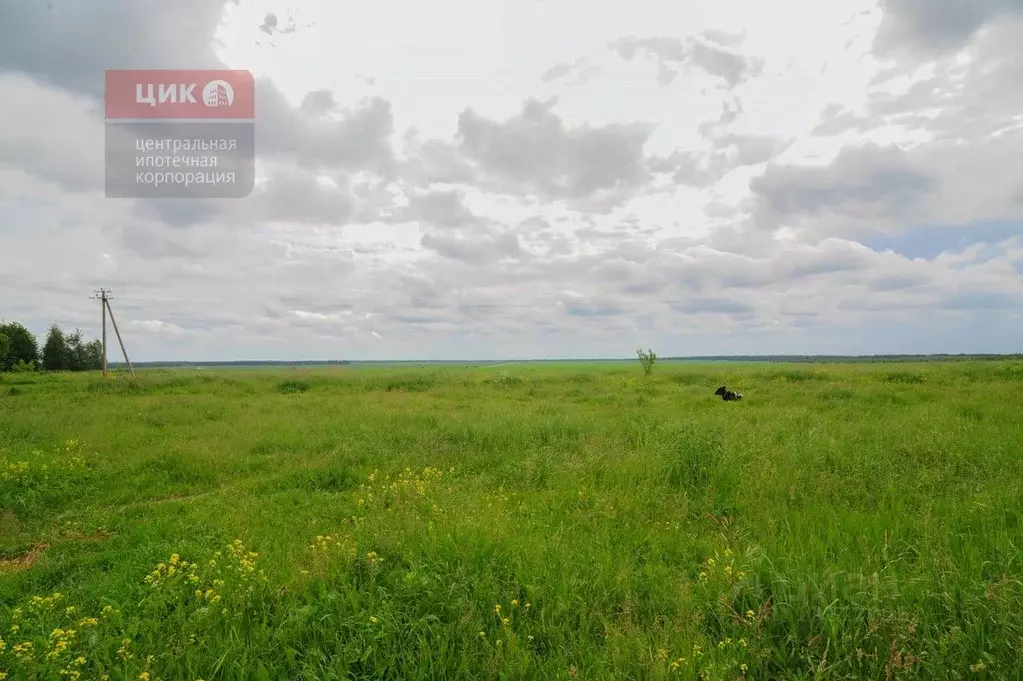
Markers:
point(217, 94)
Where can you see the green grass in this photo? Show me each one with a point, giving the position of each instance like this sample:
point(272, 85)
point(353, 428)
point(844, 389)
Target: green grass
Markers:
point(842, 522)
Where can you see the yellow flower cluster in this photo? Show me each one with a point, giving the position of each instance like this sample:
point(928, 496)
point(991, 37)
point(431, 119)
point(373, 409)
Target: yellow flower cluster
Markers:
point(60, 640)
point(406, 487)
point(13, 471)
point(726, 659)
point(722, 569)
point(245, 560)
point(323, 542)
point(173, 571)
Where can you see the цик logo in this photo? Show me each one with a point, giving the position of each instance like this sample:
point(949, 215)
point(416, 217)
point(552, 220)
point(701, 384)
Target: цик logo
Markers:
point(218, 94)
point(179, 94)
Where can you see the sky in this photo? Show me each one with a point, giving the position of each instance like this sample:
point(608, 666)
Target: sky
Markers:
point(534, 179)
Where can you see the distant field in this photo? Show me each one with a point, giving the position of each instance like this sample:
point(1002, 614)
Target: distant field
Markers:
point(577, 521)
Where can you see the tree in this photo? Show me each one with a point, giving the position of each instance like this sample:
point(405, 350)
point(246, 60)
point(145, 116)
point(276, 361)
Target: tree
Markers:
point(94, 355)
point(647, 359)
point(21, 346)
point(75, 351)
point(5, 347)
point(56, 353)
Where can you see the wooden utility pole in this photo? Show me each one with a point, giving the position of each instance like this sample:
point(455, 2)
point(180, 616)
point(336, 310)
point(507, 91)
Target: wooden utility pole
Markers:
point(104, 297)
point(101, 295)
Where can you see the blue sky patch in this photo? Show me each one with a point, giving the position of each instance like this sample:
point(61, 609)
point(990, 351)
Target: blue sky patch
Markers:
point(928, 242)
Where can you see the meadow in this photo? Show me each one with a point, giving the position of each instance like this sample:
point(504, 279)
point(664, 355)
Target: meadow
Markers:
point(858, 521)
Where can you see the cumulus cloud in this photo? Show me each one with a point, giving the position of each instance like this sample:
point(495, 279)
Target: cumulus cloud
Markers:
point(535, 152)
point(937, 25)
point(673, 55)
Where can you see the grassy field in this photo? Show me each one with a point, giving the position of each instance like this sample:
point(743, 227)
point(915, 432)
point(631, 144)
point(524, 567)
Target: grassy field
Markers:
point(541, 522)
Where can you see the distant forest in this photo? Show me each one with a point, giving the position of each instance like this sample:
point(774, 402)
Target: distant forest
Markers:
point(706, 358)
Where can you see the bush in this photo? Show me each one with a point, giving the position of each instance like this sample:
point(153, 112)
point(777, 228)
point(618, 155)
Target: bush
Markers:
point(646, 360)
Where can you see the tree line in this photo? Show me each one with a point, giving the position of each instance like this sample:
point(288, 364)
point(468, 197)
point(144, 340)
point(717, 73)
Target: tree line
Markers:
point(62, 351)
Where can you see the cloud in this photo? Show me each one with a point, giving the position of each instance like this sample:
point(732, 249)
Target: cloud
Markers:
point(726, 153)
point(574, 73)
point(674, 54)
point(477, 249)
point(937, 25)
point(870, 183)
point(534, 152)
point(55, 135)
point(315, 136)
point(68, 45)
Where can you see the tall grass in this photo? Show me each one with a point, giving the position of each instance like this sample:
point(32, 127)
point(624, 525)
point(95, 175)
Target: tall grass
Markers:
point(842, 522)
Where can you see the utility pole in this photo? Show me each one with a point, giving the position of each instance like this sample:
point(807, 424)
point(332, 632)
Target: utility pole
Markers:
point(104, 297)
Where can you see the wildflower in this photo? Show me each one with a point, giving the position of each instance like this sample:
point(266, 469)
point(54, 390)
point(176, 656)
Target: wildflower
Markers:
point(3, 644)
point(79, 661)
point(497, 609)
point(505, 621)
point(515, 603)
point(374, 620)
point(662, 654)
point(483, 634)
point(88, 622)
point(23, 651)
point(743, 668)
point(69, 610)
point(144, 676)
point(750, 614)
